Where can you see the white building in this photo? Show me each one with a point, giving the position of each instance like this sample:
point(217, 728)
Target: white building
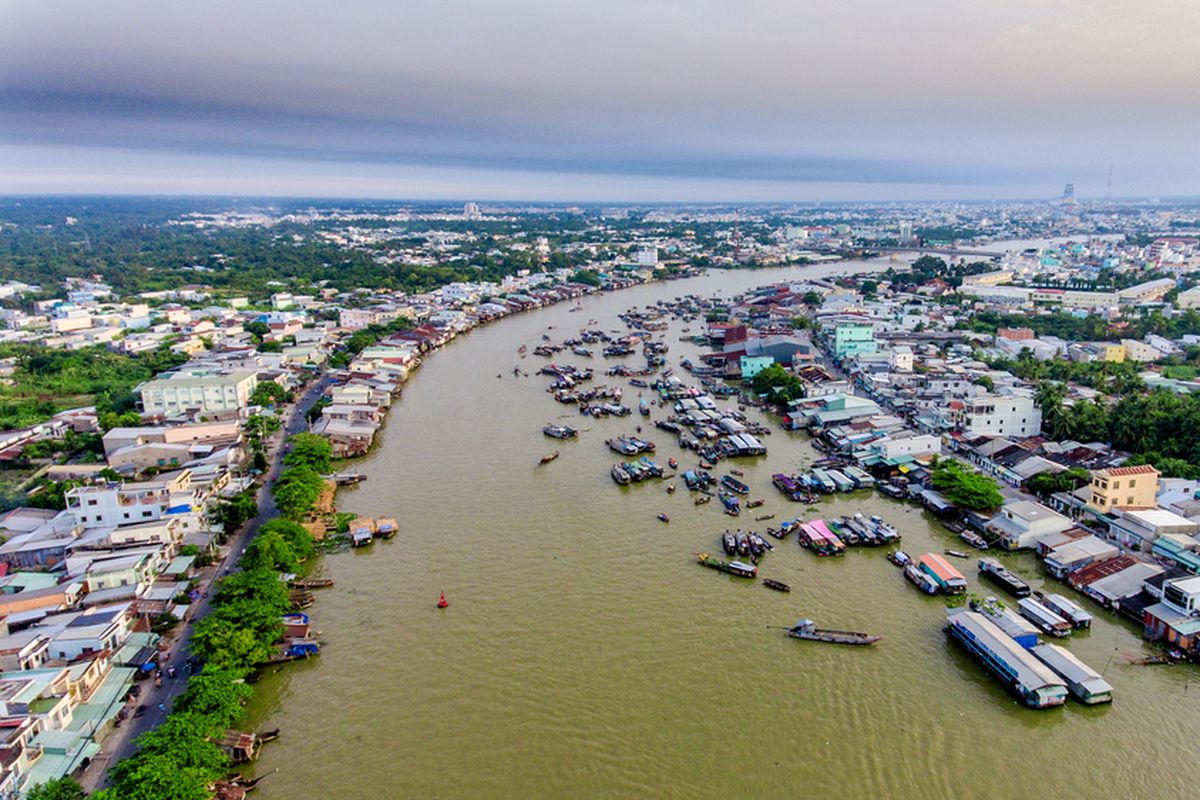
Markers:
point(206, 393)
point(901, 359)
point(1021, 523)
point(1002, 415)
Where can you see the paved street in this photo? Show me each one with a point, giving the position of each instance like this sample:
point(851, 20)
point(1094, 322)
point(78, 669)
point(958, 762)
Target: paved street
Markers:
point(119, 743)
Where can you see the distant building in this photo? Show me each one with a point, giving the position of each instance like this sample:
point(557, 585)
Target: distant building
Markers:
point(1003, 415)
point(850, 340)
point(206, 394)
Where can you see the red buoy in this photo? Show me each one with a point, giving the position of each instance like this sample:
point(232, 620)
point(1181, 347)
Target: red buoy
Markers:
point(442, 601)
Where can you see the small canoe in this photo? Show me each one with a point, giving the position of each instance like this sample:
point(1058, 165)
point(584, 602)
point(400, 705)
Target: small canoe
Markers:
point(778, 586)
point(956, 553)
point(547, 459)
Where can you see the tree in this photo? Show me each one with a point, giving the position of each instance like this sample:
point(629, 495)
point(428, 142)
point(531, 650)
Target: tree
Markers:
point(175, 761)
point(1045, 484)
point(215, 694)
point(269, 393)
point(225, 644)
point(295, 534)
point(270, 550)
point(812, 299)
point(309, 450)
point(61, 789)
point(589, 277)
point(297, 491)
point(965, 488)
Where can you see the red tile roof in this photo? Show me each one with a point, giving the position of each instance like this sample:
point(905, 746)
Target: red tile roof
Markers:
point(1141, 469)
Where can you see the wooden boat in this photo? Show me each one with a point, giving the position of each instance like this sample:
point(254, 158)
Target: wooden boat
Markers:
point(899, 558)
point(699, 501)
point(778, 586)
point(548, 458)
point(764, 517)
point(663, 518)
point(729, 543)
point(807, 629)
point(312, 583)
point(386, 527)
point(755, 503)
point(672, 463)
point(670, 488)
point(955, 553)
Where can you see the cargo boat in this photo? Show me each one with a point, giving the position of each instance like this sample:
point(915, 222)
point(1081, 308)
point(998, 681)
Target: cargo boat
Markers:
point(922, 581)
point(1031, 680)
point(998, 574)
point(737, 568)
point(807, 629)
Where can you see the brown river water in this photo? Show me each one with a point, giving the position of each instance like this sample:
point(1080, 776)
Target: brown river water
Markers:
point(585, 654)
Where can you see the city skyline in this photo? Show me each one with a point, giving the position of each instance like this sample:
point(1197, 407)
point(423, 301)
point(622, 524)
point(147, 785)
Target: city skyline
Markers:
point(638, 102)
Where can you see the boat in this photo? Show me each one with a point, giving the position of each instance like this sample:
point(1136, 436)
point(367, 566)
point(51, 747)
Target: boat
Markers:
point(1036, 684)
point(560, 431)
point(347, 478)
point(892, 490)
point(948, 579)
point(734, 484)
point(807, 629)
point(442, 601)
point(672, 463)
point(663, 518)
point(955, 553)
point(311, 583)
point(998, 574)
point(1041, 616)
point(974, 539)
point(1087, 685)
point(755, 503)
point(643, 407)
point(899, 558)
point(778, 586)
point(386, 528)
point(764, 517)
point(922, 581)
point(620, 475)
point(729, 543)
point(670, 488)
point(699, 501)
point(548, 458)
point(737, 568)
point(1067, 609)
point(732, 504)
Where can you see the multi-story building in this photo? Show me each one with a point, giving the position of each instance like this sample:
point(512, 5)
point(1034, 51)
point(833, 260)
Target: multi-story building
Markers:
point(202, 393)
point(1124, 487)
point(1002, 415)
point(109, 505)
point(850, 340)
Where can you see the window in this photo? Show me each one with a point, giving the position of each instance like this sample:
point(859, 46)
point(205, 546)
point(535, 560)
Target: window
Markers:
point(1132, 483)
point(145, 513)
point(1116, 484)
point(1129, 501)
point(91, 502)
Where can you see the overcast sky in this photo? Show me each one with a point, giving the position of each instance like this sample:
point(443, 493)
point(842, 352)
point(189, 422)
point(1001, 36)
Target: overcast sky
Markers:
point(601, 99)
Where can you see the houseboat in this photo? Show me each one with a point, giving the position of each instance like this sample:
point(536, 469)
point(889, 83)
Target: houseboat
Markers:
point(1022, 631)
point(948, 579)
point(1031, 680)
point(1084, 682)
point(822, 481)
point(1067, 609)
point(788, 485)
point(1043, 617)
point(861, 479)
point(840, 481)
point(386, 527)
point(922, 581)
point(362, 531)
point(998, 574)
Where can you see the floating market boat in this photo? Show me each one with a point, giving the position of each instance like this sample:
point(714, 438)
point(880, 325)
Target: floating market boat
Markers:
point(620, 475)
point(730, 567)
point(807, 629)
point(560, 431)
point(778, 586)
point(728, 543)
point(734, 484)
point(899, 558)
point(974, 539)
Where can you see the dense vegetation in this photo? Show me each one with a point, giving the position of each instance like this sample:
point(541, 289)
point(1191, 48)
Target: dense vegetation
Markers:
point(965, 488)
point(777, 384)
point(48, 381)
point(1091, 327)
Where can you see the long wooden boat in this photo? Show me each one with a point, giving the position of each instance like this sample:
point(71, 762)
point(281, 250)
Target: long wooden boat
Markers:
point(729, 567)
point(312, 583)
point(778, 586)
point(733, 483)
point(807, 629)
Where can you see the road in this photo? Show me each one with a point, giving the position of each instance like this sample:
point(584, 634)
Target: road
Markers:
point(119, 743)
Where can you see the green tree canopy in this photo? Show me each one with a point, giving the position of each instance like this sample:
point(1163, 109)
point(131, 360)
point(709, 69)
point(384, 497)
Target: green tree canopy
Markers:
point(965, 488)
point(309, 450)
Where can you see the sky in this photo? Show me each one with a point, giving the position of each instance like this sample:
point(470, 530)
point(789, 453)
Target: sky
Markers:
point(601, 100)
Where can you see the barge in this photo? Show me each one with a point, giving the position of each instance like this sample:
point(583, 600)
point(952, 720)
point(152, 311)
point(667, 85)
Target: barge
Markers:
point(998, 574)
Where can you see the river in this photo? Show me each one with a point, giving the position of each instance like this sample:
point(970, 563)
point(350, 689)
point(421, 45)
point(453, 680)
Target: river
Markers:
point(585, 654)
